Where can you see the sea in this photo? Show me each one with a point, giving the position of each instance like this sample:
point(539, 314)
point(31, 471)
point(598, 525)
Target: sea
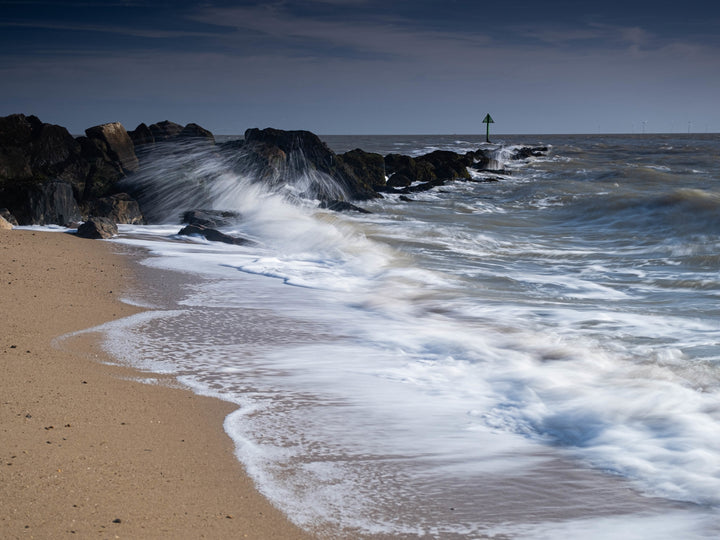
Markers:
point(531, 355)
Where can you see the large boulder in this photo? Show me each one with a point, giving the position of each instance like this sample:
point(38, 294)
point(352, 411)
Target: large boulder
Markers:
point(289, 156)
point(165, 130)
point(447, 165)
point(5, 225)
point(117, 144)
point(368, 166)
point(51, 203)
point(97, 228)
point(31, 149)
point(198, 133)
point(141, 135)
point(405, 170)
point(104, 172)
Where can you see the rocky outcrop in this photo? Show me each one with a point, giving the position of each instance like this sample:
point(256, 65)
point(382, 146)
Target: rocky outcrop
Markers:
point(5, 225)
point(97, 228)
point(407, 174)
point(32, 153)
point(213, 235)
point(39, 162)
point(47, 176)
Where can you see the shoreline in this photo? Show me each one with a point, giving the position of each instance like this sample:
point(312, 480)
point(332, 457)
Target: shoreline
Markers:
point(85, 448)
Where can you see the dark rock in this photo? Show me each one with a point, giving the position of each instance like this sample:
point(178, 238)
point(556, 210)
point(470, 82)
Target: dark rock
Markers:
point(342, 206)
point(30, 149)
point(210, 218)
point(35, 158)
point(119, 208)
point(42, 203)
point(213, 235)
point(292, 156)
point(141, 136)
point(398, 180)
point(425, 186)
point(368, 166)
point(7, 216)
point(479, 159)
point(165, 130)
point(18, 129)
point(97, 228)
point(405, 199)
point(530, 151)
point(118, 144)
point(447, 165)
point(104, 172)
point(195, 132)
point(405, 170)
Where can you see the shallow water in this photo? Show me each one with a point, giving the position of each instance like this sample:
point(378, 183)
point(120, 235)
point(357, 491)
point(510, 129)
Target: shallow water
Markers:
point(535, 357)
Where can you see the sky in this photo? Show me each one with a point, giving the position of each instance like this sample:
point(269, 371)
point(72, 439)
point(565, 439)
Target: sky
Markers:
point(366, 66)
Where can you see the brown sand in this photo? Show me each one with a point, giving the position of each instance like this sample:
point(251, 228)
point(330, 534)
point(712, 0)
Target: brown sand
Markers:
point(86, 452)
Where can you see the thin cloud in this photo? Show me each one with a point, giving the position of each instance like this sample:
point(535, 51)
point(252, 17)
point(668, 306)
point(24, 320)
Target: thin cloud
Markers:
point(132, 31)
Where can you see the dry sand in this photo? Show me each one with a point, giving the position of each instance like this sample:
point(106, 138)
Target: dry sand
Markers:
point(84, 450)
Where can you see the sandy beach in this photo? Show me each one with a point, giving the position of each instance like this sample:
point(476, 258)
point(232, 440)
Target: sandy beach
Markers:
point(85, 450)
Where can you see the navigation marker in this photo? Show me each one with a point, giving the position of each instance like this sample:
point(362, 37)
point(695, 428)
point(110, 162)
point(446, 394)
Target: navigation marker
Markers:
point(487, 121)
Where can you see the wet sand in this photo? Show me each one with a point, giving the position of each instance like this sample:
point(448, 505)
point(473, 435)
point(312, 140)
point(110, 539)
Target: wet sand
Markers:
point(86, 451)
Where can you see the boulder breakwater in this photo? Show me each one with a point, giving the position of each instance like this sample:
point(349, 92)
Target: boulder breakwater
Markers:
point(48, 176)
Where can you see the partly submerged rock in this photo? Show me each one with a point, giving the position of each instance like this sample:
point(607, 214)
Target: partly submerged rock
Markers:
point(97, 228)
point(342, 206)
point(530, 151)
point(366, 166)
point(213, 235)
point(210, 218)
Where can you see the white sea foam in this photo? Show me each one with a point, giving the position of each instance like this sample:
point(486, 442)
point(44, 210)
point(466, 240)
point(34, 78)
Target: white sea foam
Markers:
point(470, 350)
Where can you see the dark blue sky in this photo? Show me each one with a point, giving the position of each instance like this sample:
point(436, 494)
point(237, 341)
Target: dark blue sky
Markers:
point(365, 66)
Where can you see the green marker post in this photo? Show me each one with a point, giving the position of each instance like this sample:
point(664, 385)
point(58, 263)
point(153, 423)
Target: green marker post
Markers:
point(487, 121)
